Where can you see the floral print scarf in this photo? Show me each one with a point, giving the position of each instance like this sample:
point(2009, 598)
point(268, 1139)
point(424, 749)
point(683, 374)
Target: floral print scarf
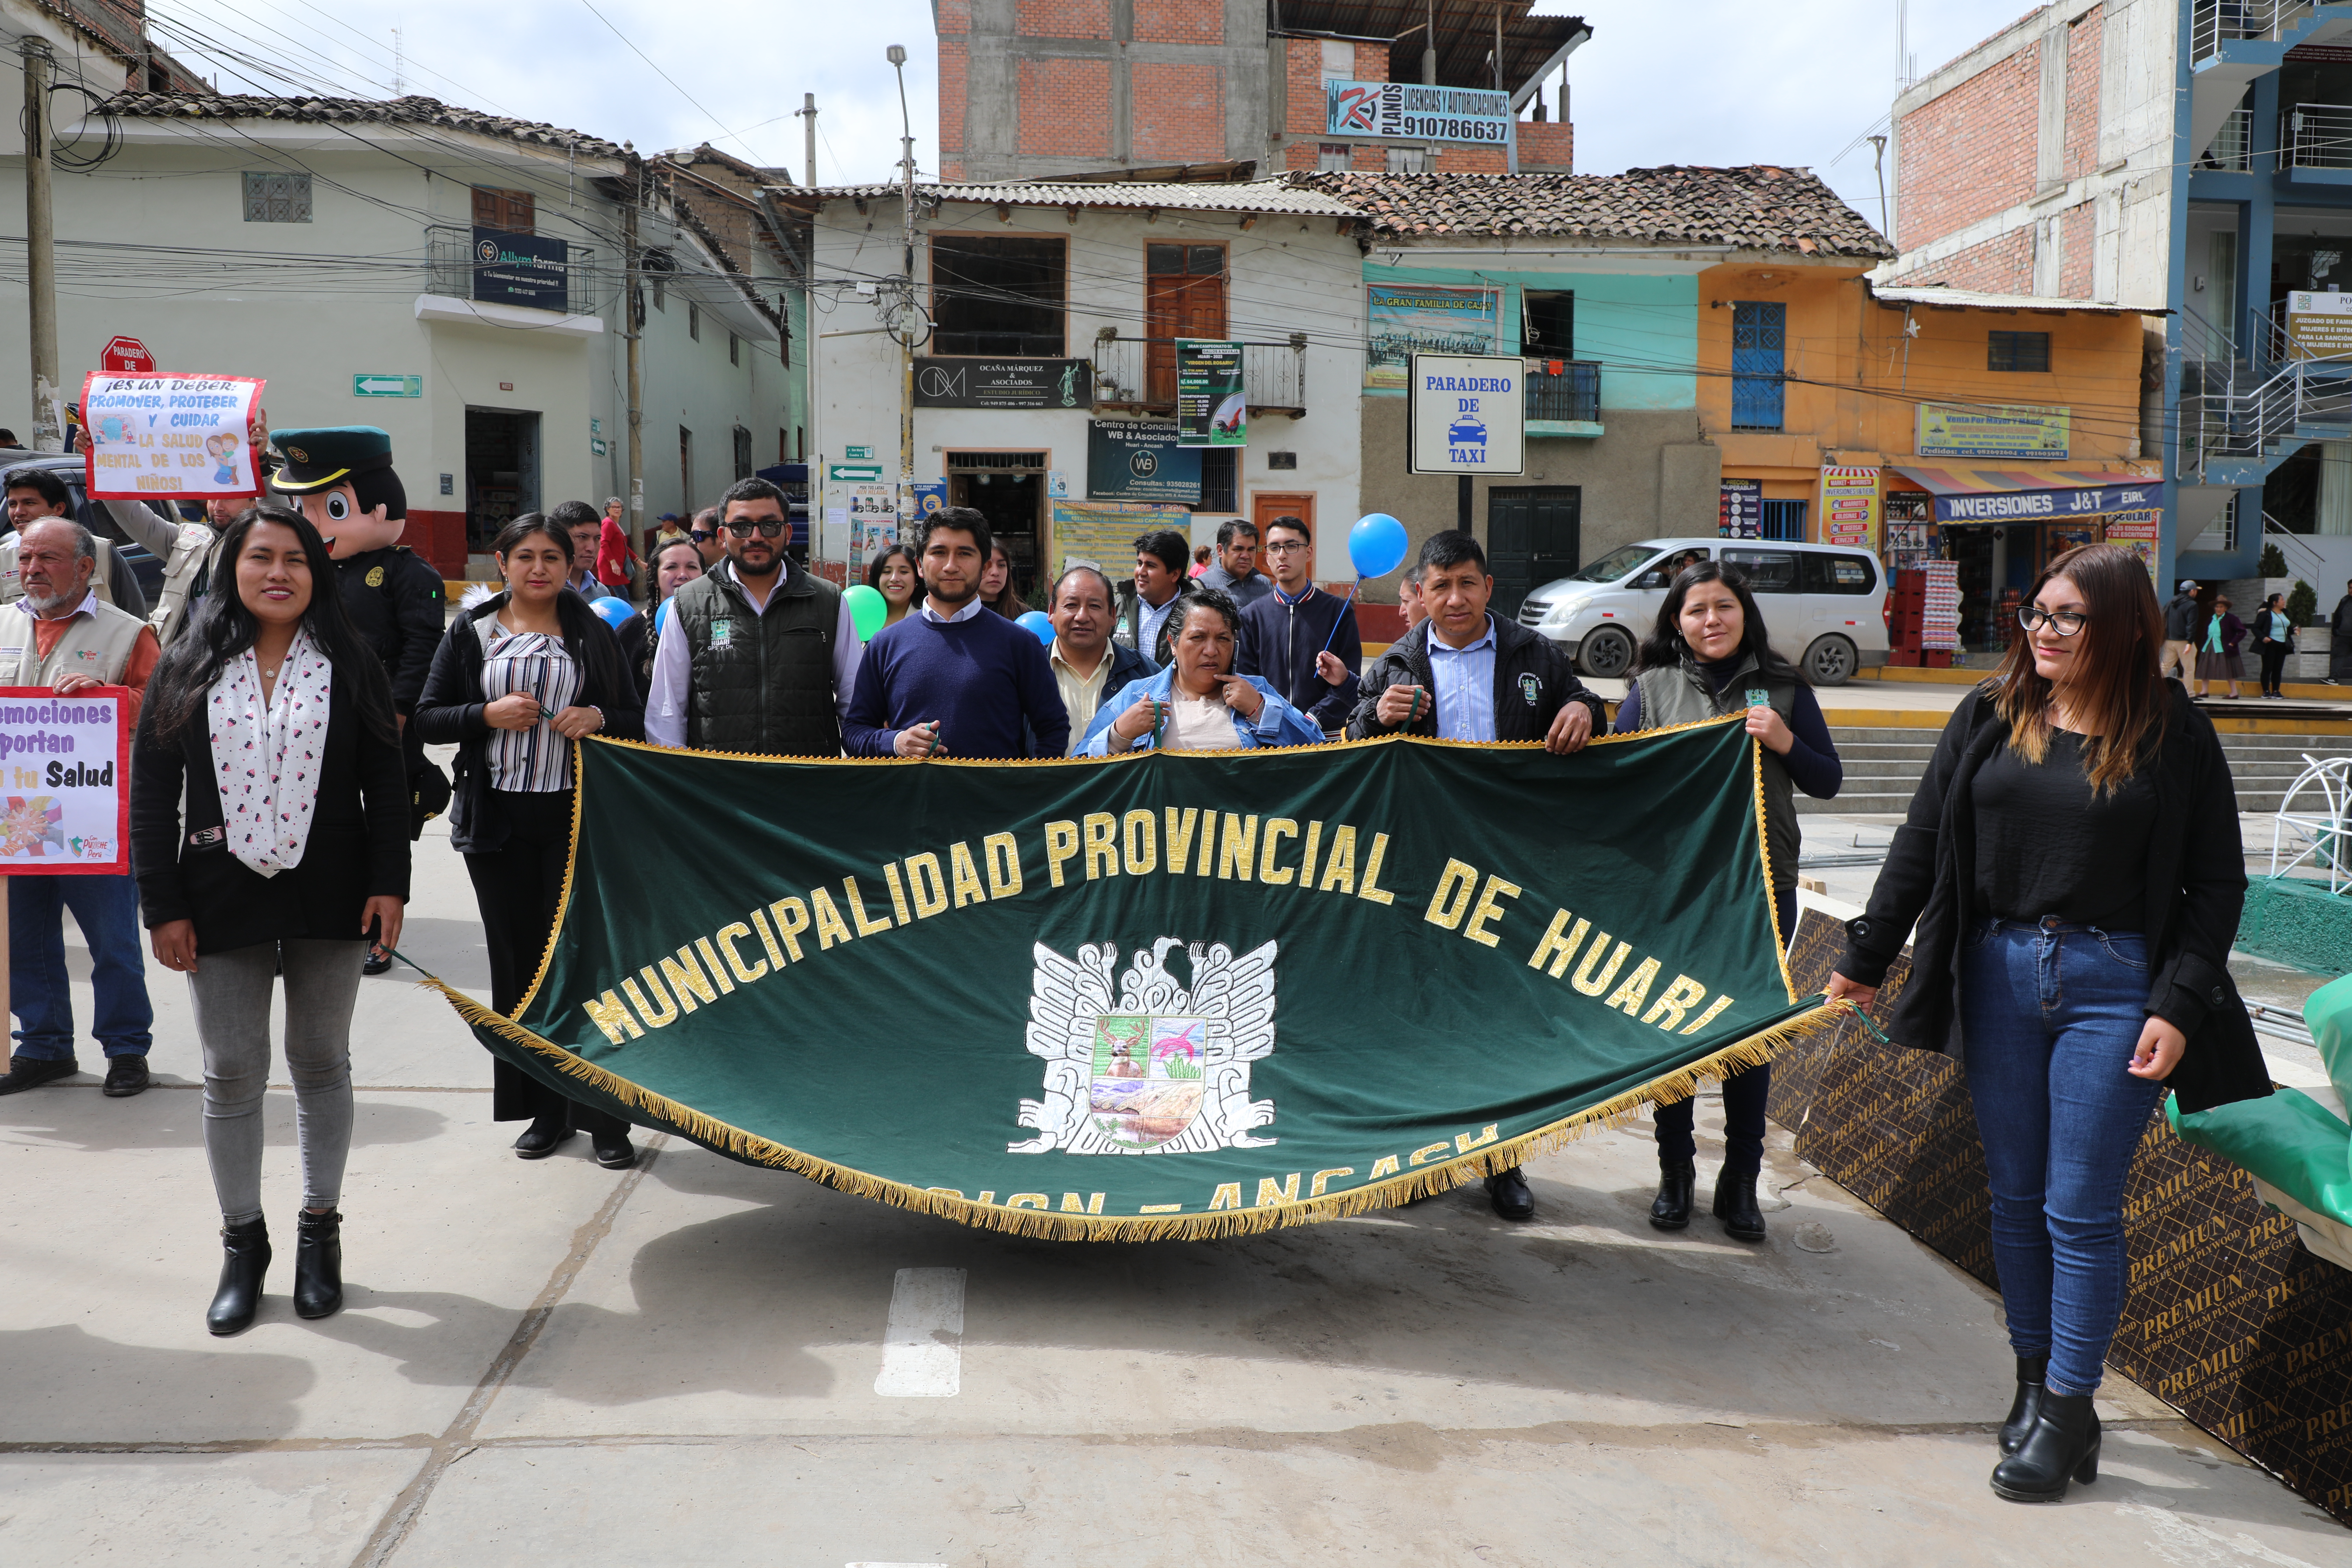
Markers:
point(267, 755)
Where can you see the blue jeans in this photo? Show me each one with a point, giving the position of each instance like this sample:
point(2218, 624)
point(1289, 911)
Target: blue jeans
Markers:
point(107, 909)
point(2049, 1014)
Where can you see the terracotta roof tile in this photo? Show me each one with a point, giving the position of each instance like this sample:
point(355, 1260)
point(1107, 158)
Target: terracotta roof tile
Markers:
point(1758, 207)
point(412, 111)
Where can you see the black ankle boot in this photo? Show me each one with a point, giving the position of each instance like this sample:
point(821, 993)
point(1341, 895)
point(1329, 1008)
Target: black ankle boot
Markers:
point(1735, 1205)
point(2028, 1403)
point(318, 1264)
point(1676, 1186)
point(2063, 1444)
point(239, 1296)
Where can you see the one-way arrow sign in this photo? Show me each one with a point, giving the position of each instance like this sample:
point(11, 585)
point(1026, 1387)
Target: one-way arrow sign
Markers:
point(387, 387)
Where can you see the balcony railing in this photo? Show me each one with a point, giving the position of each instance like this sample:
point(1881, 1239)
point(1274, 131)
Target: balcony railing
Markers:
point(1140, 373)
point(449, 265)
point(2218, 22)
point(2318, 135)
point(1569, 394)
point(2231, 144)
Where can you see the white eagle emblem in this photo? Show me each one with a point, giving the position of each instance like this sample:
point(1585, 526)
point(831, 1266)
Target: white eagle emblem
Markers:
point(1149, 1066)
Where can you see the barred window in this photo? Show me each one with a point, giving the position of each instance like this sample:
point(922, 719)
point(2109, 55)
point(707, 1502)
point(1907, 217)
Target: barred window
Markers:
point(1219, 479)
point(274, 197)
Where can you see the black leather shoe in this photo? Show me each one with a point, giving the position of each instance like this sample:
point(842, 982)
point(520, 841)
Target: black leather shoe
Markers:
point(247, 1259)
point(1508, 1193)
point(125, 1076)
point(2028, 1403)
point(1676, 1186)
point(1735, 1205)
point(614, 1150)
point(539, 1140)
point(31, 1072)
point(318, 1264)
point(2062, 1445)
point(378, 961)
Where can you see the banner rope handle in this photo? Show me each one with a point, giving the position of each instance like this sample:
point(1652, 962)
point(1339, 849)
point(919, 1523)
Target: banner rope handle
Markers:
point(1864, 1018)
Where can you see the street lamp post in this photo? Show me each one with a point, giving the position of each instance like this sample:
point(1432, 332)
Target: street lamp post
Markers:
point(897, 55)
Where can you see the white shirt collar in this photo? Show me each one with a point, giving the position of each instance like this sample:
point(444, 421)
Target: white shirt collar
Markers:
point(972, 608)
point(88, 607)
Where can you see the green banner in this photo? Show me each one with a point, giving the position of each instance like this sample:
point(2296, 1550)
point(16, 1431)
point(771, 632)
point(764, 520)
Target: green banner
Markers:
point(1212, 409)
point(1168, 993)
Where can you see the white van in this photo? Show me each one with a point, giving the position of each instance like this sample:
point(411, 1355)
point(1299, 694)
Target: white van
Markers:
point(1825, 605)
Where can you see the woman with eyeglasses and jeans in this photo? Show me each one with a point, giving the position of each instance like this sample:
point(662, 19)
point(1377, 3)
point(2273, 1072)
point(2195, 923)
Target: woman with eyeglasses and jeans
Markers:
point(2274, 640)
point(2072, 863)
point(1710, 655)
point(518, 679)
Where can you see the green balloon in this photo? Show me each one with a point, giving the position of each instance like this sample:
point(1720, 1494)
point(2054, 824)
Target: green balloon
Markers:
point(867, 610)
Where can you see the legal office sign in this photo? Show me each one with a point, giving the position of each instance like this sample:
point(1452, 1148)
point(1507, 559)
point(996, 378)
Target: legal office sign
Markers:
point(1466, 414)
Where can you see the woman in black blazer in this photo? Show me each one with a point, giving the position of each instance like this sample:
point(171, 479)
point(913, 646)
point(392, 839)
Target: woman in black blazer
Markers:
point(516, 682)
point(275, 719)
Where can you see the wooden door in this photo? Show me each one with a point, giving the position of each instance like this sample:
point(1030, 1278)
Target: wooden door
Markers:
point(1267, 505)
point(1183, 297)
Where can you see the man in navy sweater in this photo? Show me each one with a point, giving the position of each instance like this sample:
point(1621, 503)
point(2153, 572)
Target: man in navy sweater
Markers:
point(953, 680)
point(1300, 638)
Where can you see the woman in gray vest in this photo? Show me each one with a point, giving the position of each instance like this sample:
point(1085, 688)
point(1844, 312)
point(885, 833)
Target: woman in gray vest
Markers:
point(1710, 655)
point(519, 677)
point(275, 720)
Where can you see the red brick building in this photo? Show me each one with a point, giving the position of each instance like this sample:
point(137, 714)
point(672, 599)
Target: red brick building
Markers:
point(1042, 90)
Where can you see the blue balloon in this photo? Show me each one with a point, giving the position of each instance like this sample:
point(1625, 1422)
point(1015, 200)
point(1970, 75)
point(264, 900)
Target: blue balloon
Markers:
point(1040, 625)
point(1377, 545)
point(661, 617)
point(614, 613)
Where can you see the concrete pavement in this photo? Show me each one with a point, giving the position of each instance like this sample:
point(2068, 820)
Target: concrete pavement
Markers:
point(680, 1364)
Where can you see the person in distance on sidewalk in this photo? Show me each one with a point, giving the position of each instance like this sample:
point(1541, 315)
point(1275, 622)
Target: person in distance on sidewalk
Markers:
point(518, 679)
point(2072, 863)
point(276, 719)
point(1710, 655)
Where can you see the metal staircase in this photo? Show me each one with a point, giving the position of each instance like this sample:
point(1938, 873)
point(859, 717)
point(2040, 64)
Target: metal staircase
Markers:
point(2232, 42)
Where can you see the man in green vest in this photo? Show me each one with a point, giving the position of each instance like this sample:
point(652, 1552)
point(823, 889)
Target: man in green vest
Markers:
point(760, 656)
point(61, 636)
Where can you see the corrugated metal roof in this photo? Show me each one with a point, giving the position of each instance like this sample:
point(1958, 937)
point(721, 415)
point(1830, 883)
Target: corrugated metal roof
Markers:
point(1974, 299)
point(1244, 197)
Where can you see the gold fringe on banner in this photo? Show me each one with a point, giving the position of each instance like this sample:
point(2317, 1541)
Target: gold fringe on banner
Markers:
point(1056, 1225)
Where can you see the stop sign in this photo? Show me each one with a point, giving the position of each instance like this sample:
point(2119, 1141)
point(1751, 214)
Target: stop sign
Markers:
point(126, 356)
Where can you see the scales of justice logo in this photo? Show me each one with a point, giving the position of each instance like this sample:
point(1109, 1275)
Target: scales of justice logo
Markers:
point(1145, 1064)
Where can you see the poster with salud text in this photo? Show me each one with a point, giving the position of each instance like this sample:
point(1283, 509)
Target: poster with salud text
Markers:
point(170, 436)
point(65, 791)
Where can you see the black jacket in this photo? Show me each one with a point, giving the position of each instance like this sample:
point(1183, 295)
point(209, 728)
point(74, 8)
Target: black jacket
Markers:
point(1533, 680)
point(2196, 888)
point(358, 848)
point(1279, 641)
point(451, 710)
point(394, 600)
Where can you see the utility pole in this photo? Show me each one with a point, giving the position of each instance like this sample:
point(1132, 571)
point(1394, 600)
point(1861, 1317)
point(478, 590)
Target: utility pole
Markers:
point(1878, 160)
point(632, 281)
point(898, 59)
point(807, 111)
point(40, 252)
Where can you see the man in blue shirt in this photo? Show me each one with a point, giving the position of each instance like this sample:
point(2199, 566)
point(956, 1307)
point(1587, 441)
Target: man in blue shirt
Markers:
point(953, 680)
point(1463, 675)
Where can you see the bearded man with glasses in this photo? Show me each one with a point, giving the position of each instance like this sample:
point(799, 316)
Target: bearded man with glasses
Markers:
point(761, 656)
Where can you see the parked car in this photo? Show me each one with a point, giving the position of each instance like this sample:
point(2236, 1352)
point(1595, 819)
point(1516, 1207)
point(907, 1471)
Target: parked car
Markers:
point(1826, 603)
point(73, 469)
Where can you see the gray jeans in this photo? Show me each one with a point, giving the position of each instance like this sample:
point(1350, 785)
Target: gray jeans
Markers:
point(232, 992)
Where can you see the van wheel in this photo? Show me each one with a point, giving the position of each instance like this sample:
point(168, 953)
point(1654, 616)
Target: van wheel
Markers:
point(1607, 654)
point(1829, 661)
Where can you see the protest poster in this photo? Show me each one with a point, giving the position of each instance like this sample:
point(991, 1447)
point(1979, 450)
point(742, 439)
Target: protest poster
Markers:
point(65, 785)
point(149, 436)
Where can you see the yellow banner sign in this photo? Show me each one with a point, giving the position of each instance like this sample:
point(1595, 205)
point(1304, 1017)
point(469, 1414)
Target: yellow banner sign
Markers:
point(1992, 430)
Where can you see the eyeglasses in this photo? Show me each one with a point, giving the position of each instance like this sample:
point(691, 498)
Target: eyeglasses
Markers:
point(768, 529)
point(1287, 547)
point(702, 535)
point(2066, 623)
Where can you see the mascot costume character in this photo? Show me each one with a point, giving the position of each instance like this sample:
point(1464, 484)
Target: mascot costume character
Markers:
point(341, 476)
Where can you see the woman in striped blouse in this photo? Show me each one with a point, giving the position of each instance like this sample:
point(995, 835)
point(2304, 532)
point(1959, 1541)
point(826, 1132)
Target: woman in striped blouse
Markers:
point(517, 680)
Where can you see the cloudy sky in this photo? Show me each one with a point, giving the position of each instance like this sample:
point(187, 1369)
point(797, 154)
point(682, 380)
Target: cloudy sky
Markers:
point(1710, 81)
